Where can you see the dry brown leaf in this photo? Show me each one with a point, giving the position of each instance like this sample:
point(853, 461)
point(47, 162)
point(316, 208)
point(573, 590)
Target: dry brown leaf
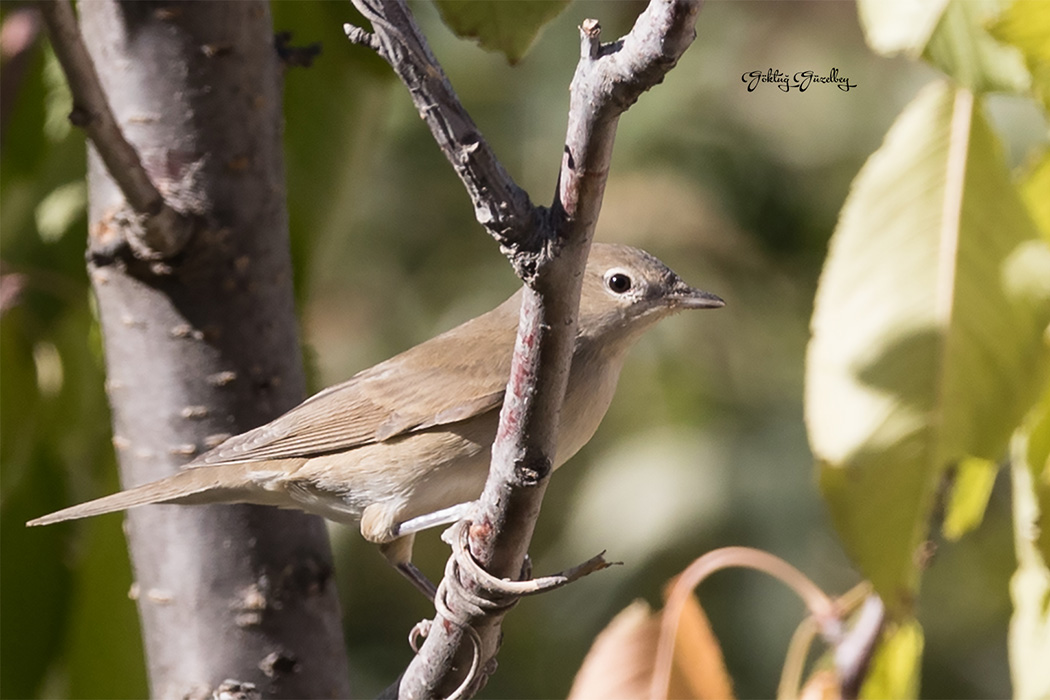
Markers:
point(698, 670)
point(621, 661)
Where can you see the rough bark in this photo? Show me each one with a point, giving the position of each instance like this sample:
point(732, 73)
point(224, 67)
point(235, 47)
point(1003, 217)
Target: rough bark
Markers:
point(204, 344)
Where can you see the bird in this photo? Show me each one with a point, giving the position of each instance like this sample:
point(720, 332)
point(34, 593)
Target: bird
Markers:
point(405, 445)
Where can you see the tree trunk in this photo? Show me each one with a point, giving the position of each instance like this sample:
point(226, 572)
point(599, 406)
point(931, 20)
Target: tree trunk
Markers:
point(205, 345)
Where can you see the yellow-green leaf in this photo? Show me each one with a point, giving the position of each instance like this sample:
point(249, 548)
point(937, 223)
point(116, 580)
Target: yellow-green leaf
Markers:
point(927, 342)
point(1029, 638)
point(972, 487)
point(60, 209)
point(963, 48)
point(895, 667)
point(1026, 25)
point(1036, 434)
point(509, 26)
point(1038, 455)
point(59, 100)
point(1034, 188)
point(899, 26)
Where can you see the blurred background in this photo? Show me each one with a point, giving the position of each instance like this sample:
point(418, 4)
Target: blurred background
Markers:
point(704, 445)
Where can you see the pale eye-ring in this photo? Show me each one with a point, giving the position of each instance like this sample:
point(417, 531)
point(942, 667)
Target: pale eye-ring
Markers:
point(619, 282)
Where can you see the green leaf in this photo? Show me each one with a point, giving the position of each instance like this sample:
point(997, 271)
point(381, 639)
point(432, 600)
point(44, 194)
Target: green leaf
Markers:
point(1039, 449)
point(927, 336)
point(899, 26)
point(1029, 637)
point(1026, 25)
point(974, 478)
point(1034, 186)
point(59, 100)
point(509, 26)
point(963, 48)
point(895, 667)
point(60, 209)
point(1036, 433)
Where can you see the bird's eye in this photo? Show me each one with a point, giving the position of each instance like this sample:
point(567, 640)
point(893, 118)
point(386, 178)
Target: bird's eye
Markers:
point(619, 282)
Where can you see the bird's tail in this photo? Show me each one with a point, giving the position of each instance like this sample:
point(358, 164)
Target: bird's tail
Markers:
point(196, 485)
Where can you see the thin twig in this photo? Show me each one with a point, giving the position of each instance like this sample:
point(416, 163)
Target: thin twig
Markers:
point(499, 204)
point(795, 659)
point(852, 656)
point(821, 607)
point(854, 651)
point(158, 230)
point(853, 648)
point(456, 536)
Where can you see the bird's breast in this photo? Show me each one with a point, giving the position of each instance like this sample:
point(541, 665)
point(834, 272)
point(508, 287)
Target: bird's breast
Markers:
point(590, 390)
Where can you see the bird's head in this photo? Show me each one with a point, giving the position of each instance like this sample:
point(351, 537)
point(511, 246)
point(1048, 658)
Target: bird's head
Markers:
point(626, 290)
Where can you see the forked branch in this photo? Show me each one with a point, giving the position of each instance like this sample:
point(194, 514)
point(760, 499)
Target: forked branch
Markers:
point(548, 248)
point(157, 230)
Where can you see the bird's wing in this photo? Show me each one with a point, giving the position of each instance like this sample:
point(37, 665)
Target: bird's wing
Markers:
point(405, 394)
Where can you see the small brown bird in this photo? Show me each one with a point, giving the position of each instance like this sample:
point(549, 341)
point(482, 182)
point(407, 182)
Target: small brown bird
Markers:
point(405, 445)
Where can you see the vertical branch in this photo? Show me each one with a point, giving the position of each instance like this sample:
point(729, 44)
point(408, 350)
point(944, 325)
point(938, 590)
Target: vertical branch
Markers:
point(204, 343)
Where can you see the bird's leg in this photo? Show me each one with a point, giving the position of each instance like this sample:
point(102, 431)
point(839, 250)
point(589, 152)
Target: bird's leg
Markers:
point(445, 516)
point(399, 553)
point(526, 568)
point(418, 579)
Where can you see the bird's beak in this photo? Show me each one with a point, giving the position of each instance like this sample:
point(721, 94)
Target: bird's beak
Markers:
point(682, 296)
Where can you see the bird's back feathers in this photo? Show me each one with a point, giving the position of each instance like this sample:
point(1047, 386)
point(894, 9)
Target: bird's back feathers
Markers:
point(371, 406)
